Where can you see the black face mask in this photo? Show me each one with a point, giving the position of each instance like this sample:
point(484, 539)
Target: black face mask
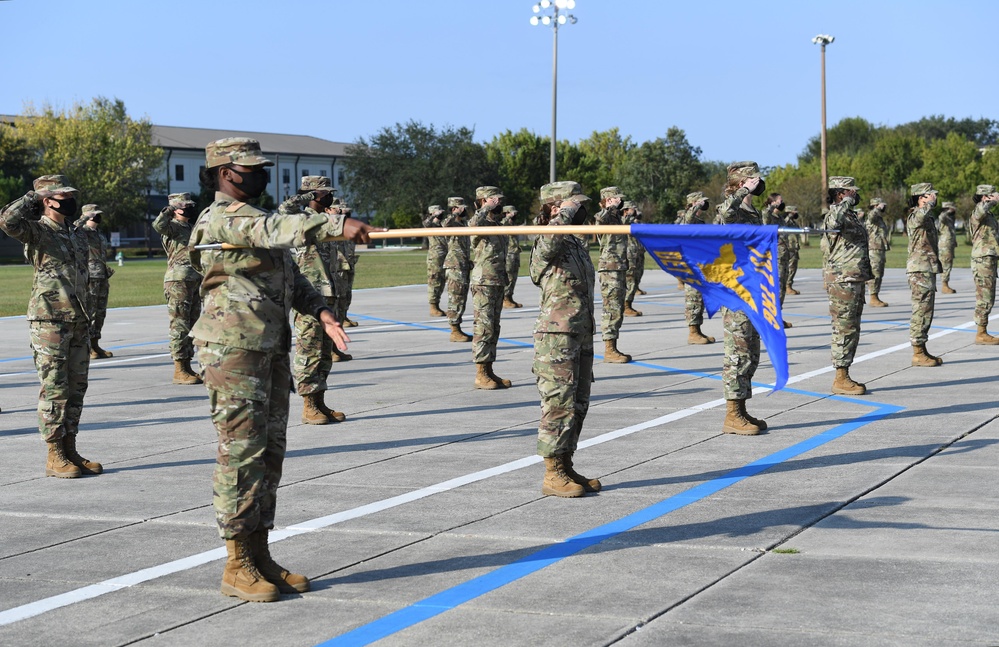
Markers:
point(253, 182)
point(67, 207)
point(580, 216)
point(325, 201)
point(781, 207)
point(760, 189)
point(96, 218)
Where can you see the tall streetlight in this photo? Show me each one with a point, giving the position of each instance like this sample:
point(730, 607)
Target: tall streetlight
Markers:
point(823, 40)
point(555, 19)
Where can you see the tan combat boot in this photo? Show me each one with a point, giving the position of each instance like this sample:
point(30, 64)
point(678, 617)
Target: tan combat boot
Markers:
point(629, 311)
point(349, 323)
point(96, 352)
point(435, 310)
point(946, 289)
point(983, 338)
point(612, 355)
point(273, 572)
point(241, 579)
point(921, 357)
point(759, 422)
point(86, 466)
point(339, 356)
point(843, 384)
point(735, 421)
point(332, 414)
point(557, 482)
point(697, 337)
point(791, 290)
point(876, 301)
point(458, 335)
point(182, 373)
point(787, 324)
point(311, 413)
point(506, 384)
point(640, 292)
point(590, 485)
point(57, 464)
point(482, 379)
point(510, 303)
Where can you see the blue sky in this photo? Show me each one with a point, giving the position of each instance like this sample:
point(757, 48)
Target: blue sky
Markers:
point(742, 79)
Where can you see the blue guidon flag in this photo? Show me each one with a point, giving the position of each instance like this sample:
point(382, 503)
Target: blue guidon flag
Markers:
point(734, 266)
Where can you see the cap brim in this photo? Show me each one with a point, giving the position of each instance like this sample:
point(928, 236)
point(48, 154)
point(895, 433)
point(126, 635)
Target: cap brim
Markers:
point(253, 160)
point(581, 198)
point(64, 189)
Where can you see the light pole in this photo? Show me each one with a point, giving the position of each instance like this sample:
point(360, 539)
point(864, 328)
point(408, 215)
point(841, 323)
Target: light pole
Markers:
point(823, 40)
point(555, 20)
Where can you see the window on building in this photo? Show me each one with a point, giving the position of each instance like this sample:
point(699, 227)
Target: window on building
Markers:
point(178, 172)
point(268, 175)
point(339, 178)
point(305, 172)
point(286, 176)
point(323, 173)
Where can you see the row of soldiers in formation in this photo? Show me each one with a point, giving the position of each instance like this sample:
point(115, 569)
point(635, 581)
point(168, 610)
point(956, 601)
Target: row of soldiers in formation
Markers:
point(243, 336)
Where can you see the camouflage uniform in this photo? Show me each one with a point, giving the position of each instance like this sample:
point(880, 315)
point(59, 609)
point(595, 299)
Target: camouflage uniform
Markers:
point(946, 242)
point(984, 251)
point(612, 267)
point(773, 216)
point(243, 339)
point(435, 258)
point(58, 317)
point(488, 280)
point(846, 267)
point(878, 242)
point(635, 255)
point(457, 265)
point(693, 302)
point(922, 266)
point(512, 257)
point(181, 282)
point(98, 275)
point(793, 249)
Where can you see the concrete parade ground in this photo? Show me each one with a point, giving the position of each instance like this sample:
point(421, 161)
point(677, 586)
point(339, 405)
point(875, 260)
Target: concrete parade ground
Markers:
point(852, 521)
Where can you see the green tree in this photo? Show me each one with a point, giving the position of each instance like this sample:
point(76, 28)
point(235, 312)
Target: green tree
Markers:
point(894, 158)
point(606, 150)
point(16, 158)
point(951, 164)
point(521, 162)
point(848, 136)
point(401, 170)
point(662, 172)
point(106, 154)
point(982, 132)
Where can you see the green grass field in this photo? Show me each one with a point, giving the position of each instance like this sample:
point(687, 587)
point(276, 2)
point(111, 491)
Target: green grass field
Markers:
point(140, 282)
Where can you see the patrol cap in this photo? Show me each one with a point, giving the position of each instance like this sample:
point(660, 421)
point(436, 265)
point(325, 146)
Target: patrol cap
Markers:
point(180, 199)
point(316, 183)
point(456, 201)
point(47, 185)
point(509, 209)
point(611, 192)
point(985, 189)
point(743, 170)
point(628, 204)
point(484, 192)
point(434, 208)
point(564, 190)
point(842, 182)
point(875, 202)
point(694, 197)
point(235, 150)
point(922, 188)
point(948, 205)
point(90, 210)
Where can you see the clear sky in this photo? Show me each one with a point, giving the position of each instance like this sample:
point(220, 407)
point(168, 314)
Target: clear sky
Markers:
point(741, 78)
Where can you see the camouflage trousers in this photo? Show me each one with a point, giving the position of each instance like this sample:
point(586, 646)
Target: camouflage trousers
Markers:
point(924, 289)
point(946, 256)
point(487, 307)
point(633, 279)
point(183, 308)
point(983, 269)
point(783, 262)
point(563, 365)
point(512, 271)
point(62, 359)
point(97, 297)
point(612, 287)
point(742, 355)
point(343, 285)
point(248, 395)
point(313, 350)
point(457, 295)
point(435, 277)
point(846, 306)
point(693, 305)
point(792, 265)
point(877, 258)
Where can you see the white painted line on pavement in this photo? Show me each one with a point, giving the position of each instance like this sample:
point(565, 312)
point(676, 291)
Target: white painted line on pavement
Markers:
point(97, 365)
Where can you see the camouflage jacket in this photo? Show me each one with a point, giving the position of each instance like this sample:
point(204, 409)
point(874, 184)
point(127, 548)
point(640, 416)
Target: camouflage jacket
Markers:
point(176, 236)
point(488, 252)
point(458, 247)
point(343, 252)
point(561, 267)
point(922, 241)
point(513, 241)
point(97, 253)
point(983, 232)
point(59, 255)
point(845, 255)
point(692, 216)
point(438, 246)
point(794, 242)
point(248, 293)
point(613, 248)
point(313, 260)
point(878, 234)
point(734, 212)
point(945, 231)
point(636, 251)
point(771, 216)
